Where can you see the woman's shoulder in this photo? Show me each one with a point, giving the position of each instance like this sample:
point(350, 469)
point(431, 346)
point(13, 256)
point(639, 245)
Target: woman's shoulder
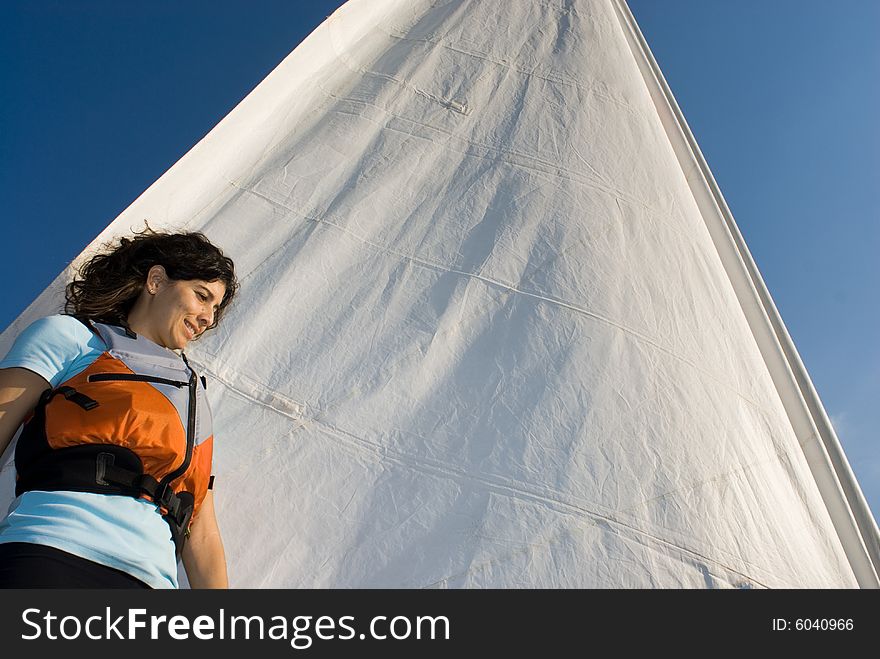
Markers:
point(54, 347)
point(59, 320)
point(58, 327)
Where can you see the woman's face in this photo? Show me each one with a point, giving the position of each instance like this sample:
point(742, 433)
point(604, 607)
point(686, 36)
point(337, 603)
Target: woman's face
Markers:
point(177, 311)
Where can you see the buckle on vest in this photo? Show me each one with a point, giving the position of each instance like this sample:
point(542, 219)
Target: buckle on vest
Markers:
point(167, 498)
point(102, 461)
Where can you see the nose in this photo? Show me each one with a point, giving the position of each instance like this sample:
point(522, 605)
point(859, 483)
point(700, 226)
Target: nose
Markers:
point(206, 317)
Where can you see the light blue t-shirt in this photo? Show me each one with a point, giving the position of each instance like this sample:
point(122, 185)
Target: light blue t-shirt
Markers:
point(118, 531)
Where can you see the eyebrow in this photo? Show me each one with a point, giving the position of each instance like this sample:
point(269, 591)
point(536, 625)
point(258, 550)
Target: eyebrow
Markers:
point(207, 291)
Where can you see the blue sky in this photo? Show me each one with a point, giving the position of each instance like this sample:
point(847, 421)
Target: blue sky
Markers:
point(101, 97)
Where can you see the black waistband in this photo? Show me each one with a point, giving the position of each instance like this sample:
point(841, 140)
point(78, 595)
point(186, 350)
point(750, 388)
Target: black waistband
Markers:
point(107, 469)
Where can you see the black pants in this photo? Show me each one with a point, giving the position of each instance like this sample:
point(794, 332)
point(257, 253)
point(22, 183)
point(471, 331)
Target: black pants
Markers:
point(27, 565)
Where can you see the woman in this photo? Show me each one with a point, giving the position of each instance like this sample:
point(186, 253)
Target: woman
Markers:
point(113, 464)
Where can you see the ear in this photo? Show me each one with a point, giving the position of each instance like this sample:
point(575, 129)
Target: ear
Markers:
point(156, 279)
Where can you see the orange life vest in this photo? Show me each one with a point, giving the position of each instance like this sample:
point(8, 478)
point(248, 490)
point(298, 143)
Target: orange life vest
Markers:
point(135, 422)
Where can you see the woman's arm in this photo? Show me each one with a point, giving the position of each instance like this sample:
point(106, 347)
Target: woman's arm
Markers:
point(20, 390)
point(203, 556)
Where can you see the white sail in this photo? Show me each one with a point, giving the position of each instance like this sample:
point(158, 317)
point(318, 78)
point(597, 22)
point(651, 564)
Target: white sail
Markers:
point(497, 327)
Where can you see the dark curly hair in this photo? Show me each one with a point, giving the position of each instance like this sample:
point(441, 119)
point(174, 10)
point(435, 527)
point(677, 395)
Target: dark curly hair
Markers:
point(108, 285)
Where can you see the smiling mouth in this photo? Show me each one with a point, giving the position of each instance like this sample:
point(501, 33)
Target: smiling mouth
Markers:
point(190, 329)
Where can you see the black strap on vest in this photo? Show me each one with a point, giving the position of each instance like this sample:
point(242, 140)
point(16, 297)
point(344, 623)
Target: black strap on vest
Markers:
point(73, 395)
point(179, 505)
point(98, 468)
point(107, 469)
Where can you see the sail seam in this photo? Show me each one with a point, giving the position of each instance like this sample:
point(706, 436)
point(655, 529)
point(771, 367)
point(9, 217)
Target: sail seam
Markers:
point(493, 282)
point(493, 482)
point(515, 158)
point(571, 82)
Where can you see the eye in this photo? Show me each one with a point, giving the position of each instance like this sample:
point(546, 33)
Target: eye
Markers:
point(202, 296)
